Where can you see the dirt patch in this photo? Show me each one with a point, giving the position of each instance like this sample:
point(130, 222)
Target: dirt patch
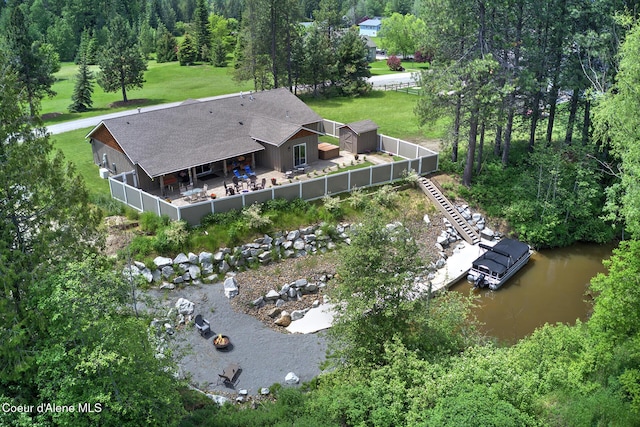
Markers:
point(129, 103)
point(119, 233)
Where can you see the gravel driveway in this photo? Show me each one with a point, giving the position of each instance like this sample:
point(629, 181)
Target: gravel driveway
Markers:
point(265, 356)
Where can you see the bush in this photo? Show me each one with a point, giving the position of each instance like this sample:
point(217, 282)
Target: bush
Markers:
point(141, 246)
point(151, 223)
point(385, 196)
point(357, 200)
point(394, 63)
point(423, 55)
point(332, 206)
point(254, 219)
point(172, 238)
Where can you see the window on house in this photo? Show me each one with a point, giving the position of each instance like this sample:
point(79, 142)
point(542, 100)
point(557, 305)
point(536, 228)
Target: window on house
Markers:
point(299, 154)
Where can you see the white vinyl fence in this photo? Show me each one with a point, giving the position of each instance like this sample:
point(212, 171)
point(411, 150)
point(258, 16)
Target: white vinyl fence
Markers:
point(420, 159)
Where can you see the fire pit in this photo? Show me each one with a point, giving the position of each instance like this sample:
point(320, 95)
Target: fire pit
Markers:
point(221, 342)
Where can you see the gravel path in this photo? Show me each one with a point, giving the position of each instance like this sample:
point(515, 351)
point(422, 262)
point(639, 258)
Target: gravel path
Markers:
point(264, 355)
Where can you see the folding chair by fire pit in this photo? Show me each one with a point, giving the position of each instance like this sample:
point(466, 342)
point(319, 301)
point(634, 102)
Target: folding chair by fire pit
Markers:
point(203, 325)
point(228, 375)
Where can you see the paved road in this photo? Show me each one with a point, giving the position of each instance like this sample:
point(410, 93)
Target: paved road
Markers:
point(93, 121)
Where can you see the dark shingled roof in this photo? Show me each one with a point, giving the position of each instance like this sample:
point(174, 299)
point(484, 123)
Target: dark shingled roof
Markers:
point(195, 133)
point(361, 126)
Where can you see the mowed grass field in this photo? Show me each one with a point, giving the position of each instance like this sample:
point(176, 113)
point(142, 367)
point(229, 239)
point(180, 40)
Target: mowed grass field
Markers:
point(166, 82)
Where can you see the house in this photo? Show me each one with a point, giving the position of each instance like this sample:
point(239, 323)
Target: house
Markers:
point(272, 129)
point(371, 48)
point(359, 137)
point(370, 27)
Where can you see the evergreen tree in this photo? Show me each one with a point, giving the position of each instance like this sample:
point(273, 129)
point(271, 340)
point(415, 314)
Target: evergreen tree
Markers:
point(81, 97)
point(202, 31)
point(187, 53)
point(352, 64)
point(167, 46)
point(122, 65)
point(88, 49)
point(45, 220)
point(35, 62)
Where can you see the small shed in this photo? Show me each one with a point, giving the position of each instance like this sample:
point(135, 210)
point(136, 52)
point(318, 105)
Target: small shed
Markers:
point(359, 137)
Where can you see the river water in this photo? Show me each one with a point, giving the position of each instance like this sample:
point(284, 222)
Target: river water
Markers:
point(549, 289)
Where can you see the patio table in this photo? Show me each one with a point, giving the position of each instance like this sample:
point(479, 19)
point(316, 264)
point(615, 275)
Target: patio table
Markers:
point(191, 192)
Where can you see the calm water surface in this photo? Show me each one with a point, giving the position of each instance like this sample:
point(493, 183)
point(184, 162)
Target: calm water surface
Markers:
point(549, 289)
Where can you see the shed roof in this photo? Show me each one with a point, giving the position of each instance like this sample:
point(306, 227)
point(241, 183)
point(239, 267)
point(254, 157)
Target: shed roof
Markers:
point(195, 133)
point(361, 126)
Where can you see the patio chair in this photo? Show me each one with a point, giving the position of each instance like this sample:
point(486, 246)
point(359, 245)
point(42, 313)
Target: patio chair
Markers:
point(236, 183)
point(237, 174)
point(203, 325)
point(254, 181)
point(264, 184)
point(248, 171)
point(228, 375)
point(203, 193)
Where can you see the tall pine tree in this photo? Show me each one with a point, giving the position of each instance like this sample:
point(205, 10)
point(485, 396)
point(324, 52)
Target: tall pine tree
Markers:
point(83, 89)
point(122, 65)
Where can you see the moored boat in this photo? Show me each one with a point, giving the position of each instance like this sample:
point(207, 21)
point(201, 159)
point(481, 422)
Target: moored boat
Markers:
point(501, 261)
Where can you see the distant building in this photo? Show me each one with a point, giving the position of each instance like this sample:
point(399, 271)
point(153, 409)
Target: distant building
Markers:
point(371, 49)
point(370, 27)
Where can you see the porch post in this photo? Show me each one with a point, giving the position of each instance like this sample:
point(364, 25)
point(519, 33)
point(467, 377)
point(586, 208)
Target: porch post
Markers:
point(224, 167)
point(162, 185)
point(253, 161)
point(192, 176)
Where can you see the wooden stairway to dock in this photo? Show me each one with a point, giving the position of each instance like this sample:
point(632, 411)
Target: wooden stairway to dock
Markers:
point(470, 235)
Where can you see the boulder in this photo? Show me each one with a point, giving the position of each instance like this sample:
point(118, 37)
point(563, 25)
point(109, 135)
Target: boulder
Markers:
point(184, 306)
point(291, 378)
point(487, 233)
point(272, 295)
point(157, 275)
point(297, 315)
point(476, 216)
point(426, 219)
point(181, 259)
point(161, 261)
point(219, 256)
point(293, 235)
point(298, 244)
point(205, 257)
point(167, 285)
point(167, 271)
point(230, 287)
point(284, 319)
point(224, 267)
point(194, 271)
point(275, 312)
point(300, 283)
point(259, 302)
point(147, 274)
point(310, 288)
point(140, 265)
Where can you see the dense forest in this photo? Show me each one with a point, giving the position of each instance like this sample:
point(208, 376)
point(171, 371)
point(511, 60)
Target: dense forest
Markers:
point(542, 103)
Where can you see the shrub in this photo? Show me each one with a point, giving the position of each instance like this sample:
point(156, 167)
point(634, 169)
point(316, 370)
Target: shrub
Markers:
point(254, 219)
point(357, 199)
point(172, 238)
point(394, 63)
point(423, 55)
point(141, 246)
point(151, 223)
point(332, 206)
point(385, 196)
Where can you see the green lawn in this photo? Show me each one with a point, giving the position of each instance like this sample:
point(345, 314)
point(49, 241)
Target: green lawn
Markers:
point(77, 150)
point(167, 82)
point(392, 111)
point(379, 68)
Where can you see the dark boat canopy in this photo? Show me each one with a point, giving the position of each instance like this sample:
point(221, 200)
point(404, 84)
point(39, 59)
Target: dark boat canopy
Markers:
point(499, 258)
